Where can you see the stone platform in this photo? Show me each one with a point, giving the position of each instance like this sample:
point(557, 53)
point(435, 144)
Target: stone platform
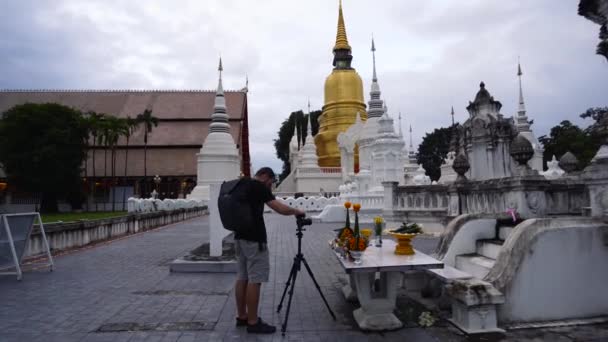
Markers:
point(124, 291)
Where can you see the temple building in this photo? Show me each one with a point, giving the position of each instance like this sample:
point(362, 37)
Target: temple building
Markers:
point(184, 120)
point(343, 100)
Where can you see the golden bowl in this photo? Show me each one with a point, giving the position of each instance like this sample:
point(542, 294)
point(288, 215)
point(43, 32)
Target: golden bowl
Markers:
point(404, 243)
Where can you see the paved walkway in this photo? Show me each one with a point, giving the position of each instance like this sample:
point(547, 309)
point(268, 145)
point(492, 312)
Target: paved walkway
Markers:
point(123, 291)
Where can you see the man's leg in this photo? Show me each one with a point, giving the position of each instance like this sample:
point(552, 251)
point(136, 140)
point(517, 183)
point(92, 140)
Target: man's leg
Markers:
point(240, 288)
point(240, 291)
point(253, 299)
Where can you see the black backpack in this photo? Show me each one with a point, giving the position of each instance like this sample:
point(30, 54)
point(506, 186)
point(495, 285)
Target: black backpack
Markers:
point(234, 207)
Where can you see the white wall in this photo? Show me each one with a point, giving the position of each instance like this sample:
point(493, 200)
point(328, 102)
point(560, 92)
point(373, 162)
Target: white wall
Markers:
point(564, 274)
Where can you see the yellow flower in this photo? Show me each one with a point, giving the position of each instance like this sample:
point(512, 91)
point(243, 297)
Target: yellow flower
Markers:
point(347, 205)
point(378, 220)
point(356, 207)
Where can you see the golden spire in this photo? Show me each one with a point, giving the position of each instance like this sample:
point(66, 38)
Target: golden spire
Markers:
point(341, 39)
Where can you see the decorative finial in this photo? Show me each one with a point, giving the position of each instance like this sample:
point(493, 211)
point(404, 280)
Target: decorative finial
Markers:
point(309, 128)
point(400, 128)
point(411, 141)
point(452, 115)
point(522, 120)
point(220, 68)
point(341, 39)
point(309, 105)
point(519, 73)
point(375, 77)
point(482, 85)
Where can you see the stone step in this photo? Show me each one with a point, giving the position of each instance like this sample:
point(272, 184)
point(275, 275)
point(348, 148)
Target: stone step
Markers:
point(475, 264)
point(447, 274)
point(489, 248)
point(504, 232)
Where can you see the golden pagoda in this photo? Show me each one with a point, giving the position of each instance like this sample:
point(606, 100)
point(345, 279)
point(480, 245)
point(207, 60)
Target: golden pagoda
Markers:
point(343, 100)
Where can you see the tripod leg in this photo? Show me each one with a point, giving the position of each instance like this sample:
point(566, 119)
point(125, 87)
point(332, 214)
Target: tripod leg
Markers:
point(295, 274)
point(318, 288)
point(291, 275)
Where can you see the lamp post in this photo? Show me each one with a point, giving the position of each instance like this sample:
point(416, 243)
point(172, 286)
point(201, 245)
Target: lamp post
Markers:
point(157, 182)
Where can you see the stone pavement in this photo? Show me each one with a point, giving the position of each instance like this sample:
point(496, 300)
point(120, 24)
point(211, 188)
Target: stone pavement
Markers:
point(123, 291)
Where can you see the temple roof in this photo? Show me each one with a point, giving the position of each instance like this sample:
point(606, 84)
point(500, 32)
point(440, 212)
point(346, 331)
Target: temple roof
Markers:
point(185, 114)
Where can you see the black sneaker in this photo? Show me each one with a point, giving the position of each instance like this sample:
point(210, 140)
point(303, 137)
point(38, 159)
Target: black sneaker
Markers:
point(241, 322)
point(261, 328)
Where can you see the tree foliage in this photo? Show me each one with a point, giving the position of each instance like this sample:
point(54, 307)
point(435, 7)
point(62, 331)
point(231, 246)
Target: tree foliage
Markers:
point(296, 124)
point(42, 147)
point(149, 121)
point(583, 143)
point(433, 150)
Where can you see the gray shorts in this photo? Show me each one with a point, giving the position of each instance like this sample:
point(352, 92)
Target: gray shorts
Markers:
point(253, 265)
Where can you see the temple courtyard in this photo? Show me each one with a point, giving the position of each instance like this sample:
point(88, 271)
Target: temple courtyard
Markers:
point(122, 290)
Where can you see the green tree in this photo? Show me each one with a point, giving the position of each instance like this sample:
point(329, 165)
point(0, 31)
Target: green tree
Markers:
point(93, 126)
point(599, 128)
point(116, 128)
point(296, 124)
point(433, 150)
point(567, 137)
point(149, 121)
point(42, 147)
point(131, 125)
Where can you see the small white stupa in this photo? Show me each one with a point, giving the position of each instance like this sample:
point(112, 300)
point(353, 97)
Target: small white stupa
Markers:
point(218, 159)
point(386, 154)
point(308, 154)
point(553, 171)
point(523, 127)
point(411, 162)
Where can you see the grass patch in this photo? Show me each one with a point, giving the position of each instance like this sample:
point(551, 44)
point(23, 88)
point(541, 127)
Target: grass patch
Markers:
point(72, 217)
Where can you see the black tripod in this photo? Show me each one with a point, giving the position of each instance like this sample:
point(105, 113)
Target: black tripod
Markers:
point(295, 268)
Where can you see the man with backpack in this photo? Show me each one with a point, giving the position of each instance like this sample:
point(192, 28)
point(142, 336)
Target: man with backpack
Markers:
point(253, 261)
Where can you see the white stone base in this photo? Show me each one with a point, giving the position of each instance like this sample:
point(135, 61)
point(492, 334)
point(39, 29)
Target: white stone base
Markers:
point(200, 192)
point(376, 312)
point(350, 291)
point(475, 319)
point(376, 321)
point(188, 266)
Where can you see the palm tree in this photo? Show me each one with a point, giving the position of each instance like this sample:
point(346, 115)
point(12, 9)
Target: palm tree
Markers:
point(116, 127)
point(131, 126)
point(94, 127)
point(103, 138)
point(149, 122)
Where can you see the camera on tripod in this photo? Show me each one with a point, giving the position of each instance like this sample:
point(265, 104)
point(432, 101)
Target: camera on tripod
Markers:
point(299, 260)
point(302, 221)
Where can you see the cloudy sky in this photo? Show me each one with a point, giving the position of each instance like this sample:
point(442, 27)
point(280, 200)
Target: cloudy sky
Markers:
point(431, 54)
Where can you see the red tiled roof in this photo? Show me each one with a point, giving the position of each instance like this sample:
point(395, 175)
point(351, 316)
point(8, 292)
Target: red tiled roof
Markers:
point(184, 104)
point(184, 116)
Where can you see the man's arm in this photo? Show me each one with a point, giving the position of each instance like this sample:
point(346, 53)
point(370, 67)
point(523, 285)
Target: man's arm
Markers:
point(283, 209)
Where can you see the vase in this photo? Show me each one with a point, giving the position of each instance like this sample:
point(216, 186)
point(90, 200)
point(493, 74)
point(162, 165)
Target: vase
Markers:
point(379, 240)
point(378, 231)
point(356, 256)
point(404, 243)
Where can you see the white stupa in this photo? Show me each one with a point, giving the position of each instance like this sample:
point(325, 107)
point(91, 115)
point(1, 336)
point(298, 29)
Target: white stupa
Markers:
point(370, 126)
point(523, 127)
point(218, 159)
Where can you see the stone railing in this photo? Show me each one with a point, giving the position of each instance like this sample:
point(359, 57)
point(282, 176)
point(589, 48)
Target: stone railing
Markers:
point(149, 205)
point(310, 203)
point(331, 170)
point(422, 197)
point(62, 236)
point(366, 201)
point(530, 197)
